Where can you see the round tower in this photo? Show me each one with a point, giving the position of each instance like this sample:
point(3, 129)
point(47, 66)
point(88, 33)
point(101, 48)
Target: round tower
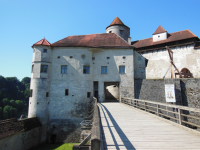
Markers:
point(40, 79)
point(118, 27)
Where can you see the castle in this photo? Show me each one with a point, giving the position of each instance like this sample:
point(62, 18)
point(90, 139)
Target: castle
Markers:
point(68, 73)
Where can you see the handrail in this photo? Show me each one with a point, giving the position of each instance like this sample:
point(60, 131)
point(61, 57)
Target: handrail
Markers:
point(93, 119)
point(95, 138)
point(178, 114)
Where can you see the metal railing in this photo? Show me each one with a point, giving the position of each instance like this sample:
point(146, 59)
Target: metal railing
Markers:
point(183, 115)
point(92, 122)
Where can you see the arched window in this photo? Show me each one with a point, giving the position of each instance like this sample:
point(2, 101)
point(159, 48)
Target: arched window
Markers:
point(186, 73)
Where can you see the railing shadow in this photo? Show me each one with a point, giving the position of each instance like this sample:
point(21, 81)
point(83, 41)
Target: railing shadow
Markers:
point(126, 143)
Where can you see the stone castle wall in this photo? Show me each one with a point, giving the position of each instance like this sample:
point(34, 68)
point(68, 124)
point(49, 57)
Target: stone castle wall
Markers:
point(20, 135)
point(187, 93)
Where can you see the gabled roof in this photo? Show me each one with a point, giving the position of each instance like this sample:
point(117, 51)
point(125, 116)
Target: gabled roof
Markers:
point(104, 40)
point(160, 29)
point(43, 42)
point(117, 21)
point(176, 36)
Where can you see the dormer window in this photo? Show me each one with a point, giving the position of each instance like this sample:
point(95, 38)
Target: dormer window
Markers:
point(159, 34)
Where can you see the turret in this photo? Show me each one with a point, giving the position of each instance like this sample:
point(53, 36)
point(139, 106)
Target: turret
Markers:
point(118, 27)
point(40, 78)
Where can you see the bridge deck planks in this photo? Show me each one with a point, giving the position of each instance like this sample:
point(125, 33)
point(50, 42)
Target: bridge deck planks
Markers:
point(124, 127)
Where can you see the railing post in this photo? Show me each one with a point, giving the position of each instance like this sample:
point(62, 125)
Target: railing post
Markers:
point(179, 115)
point(157, 110)
point(145, 106)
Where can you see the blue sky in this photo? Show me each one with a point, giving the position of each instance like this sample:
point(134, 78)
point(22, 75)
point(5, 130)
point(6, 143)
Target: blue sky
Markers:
point(24, 22)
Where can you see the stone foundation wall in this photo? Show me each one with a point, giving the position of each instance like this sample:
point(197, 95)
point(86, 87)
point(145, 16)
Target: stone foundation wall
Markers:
point(20, 135)
point(187, 93)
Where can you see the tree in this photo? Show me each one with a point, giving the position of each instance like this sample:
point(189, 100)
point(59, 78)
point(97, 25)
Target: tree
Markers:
point(6, 112)
point(12, 103)
point(6, 102)
point(25, 80)
point(19, 105)
point(1, 113)
point(13, 112)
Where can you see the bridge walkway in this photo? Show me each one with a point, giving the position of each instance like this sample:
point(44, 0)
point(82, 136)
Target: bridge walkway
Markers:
point(125, 127)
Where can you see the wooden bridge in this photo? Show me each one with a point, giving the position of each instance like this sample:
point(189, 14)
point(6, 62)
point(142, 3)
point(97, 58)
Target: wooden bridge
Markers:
point(123, 126)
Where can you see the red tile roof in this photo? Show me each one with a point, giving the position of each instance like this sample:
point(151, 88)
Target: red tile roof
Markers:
point(160, 29)
point(104, 40)
point(43, 42)
point(117, 21)
point(176, 36)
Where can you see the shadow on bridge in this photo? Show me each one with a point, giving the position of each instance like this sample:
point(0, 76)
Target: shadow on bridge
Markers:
point(109, 118)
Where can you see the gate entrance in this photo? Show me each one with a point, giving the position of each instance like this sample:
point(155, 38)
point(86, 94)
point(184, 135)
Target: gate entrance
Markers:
point(111, 91)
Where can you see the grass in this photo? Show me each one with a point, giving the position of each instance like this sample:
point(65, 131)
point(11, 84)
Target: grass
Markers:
point(63, 146)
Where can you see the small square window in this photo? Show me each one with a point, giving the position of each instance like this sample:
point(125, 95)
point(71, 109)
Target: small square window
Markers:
point(58, 57)
point(71, 56)
point(93, 58)
point(44, 50)
point(121, 31)
point(159, 36)
point(86, 69)
point(66, 91)
point(47, 94)
point(121, 69)
point(88, 94)
point(31, 93)
point(124, 57)
point(108, 57)
point(103, 69)
point(63, 69)
point(110, 31)
point(44, 68)
point(32, 68)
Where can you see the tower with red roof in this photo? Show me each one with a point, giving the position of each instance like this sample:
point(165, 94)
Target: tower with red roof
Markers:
point(119, 28)
point(40, 79)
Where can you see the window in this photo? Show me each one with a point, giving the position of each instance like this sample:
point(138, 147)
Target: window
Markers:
point(44, 68)
point(121, 69)
point(63, 69)
point(66, 91)
point(71, 56)
point(86, 69)
point(93, 58)
point(103, 69)
point(47, 94)
point(139, 58)
point(44, 50)
point(108, 57)
point(110, 31)
point(32, 68)
point(88, 94)
point(58, 57)
point(31, 94)
point(124, 57)
point(121, 31)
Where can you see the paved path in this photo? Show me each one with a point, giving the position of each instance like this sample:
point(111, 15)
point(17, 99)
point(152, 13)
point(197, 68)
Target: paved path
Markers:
point(125, 127)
